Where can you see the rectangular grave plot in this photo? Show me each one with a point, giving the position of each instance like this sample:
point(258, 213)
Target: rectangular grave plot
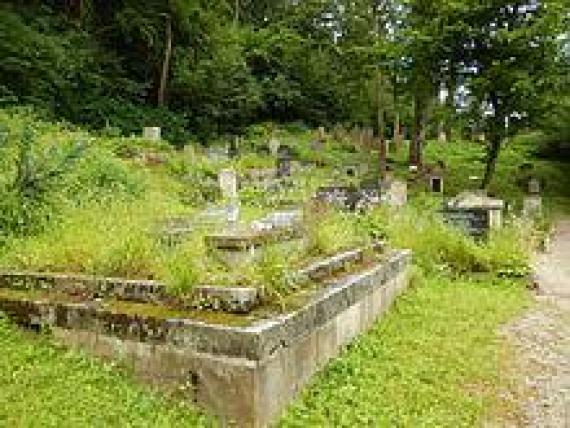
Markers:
point(245, 375)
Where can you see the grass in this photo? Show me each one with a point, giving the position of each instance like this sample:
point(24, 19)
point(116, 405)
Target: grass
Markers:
point(44, 385)
point(432, 361)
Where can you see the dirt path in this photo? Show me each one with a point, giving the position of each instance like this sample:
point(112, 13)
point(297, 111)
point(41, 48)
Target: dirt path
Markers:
point(541, 340)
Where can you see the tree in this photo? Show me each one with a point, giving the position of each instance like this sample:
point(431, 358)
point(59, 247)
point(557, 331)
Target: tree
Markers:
point(510, 50)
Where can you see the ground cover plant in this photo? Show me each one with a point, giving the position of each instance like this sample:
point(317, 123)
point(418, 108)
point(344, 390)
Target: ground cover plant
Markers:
point(434, 360)
point(46, 385)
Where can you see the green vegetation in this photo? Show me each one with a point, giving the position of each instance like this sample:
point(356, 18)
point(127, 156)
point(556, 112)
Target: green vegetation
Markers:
point(46, 385)
point(92, 200)
point(434, 360)
point(202, 70)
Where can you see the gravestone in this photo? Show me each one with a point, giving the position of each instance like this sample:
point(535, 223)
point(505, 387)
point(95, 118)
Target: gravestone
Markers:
point(532, 206)
point(228, 183)
point(151, 133)
point(232, 212)
point(350, 197)
point(534, 186)
point(476, 213)
point(532, 203)
point(283, 166)
point(274, 146)
point(351, 170)
point(216, 153)
point(394, 192)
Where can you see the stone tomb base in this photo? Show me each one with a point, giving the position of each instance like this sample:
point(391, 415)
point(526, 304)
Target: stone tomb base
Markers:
point(244, 375)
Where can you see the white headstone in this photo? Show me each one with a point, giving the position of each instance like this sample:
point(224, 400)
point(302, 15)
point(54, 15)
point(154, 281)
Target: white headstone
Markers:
point(534, 186)
point(274, 145)
point(228, 183)
point(151, 133)
point(532, 206)
point(232, 212)
point(394, 192)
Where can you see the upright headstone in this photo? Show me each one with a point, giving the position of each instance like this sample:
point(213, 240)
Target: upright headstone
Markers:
point(228, 184)
point(532, 206)
point(151, 133)
point(532, 203)
point(283, 165)
point(274, 146)
point(394, 192)
point(534, 186)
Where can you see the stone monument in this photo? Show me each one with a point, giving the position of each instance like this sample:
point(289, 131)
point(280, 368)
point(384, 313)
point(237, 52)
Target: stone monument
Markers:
point(532, 203)
point(151, 133)
point(476, 213)
point(274, 146)
point(228, 184)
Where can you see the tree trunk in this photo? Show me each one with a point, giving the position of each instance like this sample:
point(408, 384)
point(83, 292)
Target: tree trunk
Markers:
point(381, 124)
point(397, 133)
point(492, 156)
point(236, 13)
point(450, 104)
point(165, 63)
point(419, 131)
point(74, 10)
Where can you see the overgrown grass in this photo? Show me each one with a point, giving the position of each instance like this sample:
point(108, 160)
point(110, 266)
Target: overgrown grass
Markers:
point(432, 361)
point(43, 385)
point(439, 247)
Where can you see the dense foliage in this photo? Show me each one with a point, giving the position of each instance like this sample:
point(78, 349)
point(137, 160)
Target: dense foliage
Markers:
point(203, 67)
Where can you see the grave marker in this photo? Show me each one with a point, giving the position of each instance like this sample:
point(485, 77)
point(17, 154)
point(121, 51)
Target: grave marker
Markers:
point(532, 206)
point(476, 213)
point(151, 133)
point(274, 146)
point(394, 192)
point(534, 186)
point(228, 183)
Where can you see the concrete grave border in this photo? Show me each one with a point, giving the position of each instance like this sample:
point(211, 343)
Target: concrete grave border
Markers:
point(244, 375)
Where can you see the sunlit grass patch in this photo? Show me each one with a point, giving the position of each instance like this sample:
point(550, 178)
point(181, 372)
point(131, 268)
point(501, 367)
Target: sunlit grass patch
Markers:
point(419, 366)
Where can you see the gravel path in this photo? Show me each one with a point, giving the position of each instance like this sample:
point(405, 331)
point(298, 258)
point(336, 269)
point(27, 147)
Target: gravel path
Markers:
point(541, 340)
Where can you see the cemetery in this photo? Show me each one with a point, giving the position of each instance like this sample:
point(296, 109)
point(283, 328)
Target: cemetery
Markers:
point(235, 298)
point(284, 214)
